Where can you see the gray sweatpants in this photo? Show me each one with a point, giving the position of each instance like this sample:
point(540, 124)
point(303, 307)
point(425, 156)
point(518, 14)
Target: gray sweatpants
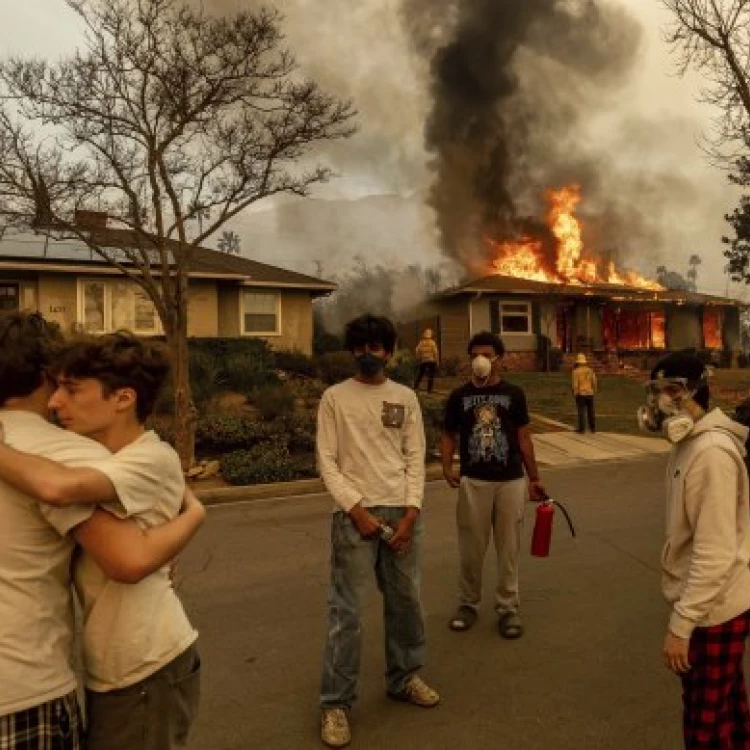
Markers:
point(154, 714)
point(484, 508)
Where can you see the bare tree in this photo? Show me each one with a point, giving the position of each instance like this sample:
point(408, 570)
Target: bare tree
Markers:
point(713, 38)
point(170, 121)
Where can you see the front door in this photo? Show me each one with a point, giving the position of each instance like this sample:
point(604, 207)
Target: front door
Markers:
point(9, 297)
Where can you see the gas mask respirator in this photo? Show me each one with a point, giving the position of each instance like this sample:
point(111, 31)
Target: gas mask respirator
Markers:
point(665, 411)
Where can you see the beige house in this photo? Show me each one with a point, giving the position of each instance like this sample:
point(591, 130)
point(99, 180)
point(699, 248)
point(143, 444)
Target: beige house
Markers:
point(612, 324)
point(229, 296)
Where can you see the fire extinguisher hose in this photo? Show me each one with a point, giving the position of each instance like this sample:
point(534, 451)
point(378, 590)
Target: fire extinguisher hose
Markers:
point(567, 516)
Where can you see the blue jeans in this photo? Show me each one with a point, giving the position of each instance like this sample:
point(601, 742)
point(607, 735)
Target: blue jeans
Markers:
point(353, 560)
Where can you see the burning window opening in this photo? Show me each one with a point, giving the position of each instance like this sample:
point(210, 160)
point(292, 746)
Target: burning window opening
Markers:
point(525, 258)
point(713, 322)
point(633, 329)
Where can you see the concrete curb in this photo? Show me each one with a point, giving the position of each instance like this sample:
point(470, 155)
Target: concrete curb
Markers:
point(221, 495)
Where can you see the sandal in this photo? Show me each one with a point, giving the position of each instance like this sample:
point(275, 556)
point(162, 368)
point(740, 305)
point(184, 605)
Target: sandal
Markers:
point(464, 618)
point(510, 626)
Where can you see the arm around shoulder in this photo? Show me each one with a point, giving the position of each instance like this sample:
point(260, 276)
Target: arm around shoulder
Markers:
point(52, 482)
point(126, 552)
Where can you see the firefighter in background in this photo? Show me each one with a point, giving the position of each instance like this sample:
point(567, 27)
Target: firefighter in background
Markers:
point(584, 389)
point(427, 359)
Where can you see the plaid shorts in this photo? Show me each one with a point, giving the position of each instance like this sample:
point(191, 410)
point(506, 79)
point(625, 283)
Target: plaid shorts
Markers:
point(52, 726)
point(714, 697)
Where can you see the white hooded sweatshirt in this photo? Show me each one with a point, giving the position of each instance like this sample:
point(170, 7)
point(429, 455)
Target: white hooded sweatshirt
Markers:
point(705, 574)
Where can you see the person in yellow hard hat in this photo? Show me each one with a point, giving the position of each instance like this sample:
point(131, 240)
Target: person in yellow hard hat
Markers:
point(584, 389)
point(427, 359)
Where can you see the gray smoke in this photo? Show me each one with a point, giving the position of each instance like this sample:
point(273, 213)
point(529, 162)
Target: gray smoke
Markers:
point(480, 106)
point(513, 85)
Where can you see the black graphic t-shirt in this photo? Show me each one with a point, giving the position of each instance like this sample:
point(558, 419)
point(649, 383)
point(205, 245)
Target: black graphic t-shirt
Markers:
point(487, 422)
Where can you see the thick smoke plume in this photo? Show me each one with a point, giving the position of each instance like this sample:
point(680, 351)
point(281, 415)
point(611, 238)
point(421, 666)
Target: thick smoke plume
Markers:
point(513, 84)
point(480, 106)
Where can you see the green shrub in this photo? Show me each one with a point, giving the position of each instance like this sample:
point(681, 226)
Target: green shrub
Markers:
point(216, 434)
point(273, 401)
point(296, 363)
point(207, 377)
point(265, 463)
point(222, 348)
point(244, 372)
point(260, 465)
point(335, 367)
point(299, 430)
point(309, 390)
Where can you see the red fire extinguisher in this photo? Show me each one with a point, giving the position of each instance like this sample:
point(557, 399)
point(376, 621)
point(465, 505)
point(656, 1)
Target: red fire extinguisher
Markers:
point(541, 539)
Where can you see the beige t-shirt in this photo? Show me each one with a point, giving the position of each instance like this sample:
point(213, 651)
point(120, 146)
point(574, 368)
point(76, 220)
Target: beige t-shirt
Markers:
point(36, 612)
point(371, 445)
point(133, 630)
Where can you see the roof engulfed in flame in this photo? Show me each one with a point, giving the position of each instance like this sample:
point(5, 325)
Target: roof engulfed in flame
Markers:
point(525, 258)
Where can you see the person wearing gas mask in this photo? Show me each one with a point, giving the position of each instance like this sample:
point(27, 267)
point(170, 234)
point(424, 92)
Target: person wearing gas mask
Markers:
point(371, 456)
point(490, 418)
point(705, 574)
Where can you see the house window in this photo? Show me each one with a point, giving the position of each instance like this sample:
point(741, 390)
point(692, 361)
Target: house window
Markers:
point(111, 305)
point(260, 312)
point(510, 317)
point(145, 312)
point(94, 301)
point(9, 297)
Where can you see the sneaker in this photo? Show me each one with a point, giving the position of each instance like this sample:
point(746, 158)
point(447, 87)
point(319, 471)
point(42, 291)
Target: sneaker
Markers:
point(417, 693)
point(334, 727)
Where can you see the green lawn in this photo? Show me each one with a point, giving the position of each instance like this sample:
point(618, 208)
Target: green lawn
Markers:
point(548, 394)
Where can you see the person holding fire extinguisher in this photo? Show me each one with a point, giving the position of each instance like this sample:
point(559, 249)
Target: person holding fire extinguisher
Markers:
point(705, 575)
point(490, 418)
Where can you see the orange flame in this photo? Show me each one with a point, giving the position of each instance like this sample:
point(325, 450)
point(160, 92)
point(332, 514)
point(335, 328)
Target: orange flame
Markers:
point(524, 258)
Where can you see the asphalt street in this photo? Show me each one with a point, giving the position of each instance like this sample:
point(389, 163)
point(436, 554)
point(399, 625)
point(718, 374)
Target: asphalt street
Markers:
point(586, 674)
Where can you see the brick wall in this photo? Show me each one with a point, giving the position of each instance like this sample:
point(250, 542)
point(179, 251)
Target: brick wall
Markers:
point(521, 362)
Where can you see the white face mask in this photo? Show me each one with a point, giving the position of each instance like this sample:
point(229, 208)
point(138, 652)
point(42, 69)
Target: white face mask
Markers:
point(481, 366)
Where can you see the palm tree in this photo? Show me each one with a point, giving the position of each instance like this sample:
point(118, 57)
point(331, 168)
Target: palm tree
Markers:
point(229, 243)
point(692, 275)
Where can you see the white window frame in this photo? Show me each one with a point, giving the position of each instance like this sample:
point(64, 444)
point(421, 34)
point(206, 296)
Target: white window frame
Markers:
point(158, 330)
point(527, 313)
point(256, 290)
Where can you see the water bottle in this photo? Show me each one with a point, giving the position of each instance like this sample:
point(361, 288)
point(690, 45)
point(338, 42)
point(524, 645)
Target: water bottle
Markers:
point(386, 532)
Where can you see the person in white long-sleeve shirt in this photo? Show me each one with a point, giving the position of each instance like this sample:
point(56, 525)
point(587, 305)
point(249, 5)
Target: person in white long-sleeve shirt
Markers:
point(705, 575)
point(371, 456)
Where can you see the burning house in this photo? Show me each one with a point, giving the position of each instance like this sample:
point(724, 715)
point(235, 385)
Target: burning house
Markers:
point(547, 292)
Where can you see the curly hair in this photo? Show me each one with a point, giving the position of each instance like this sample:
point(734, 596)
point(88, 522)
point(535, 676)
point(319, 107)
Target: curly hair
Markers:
point(485, 338)
point(370, 329)
point(119, 360)
point(28, 347)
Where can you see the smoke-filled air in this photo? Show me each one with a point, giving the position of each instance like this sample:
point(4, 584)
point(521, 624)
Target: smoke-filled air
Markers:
point(491, 116)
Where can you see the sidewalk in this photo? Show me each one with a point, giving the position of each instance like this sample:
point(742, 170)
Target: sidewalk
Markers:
point(553, 449)
point(571, 448)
